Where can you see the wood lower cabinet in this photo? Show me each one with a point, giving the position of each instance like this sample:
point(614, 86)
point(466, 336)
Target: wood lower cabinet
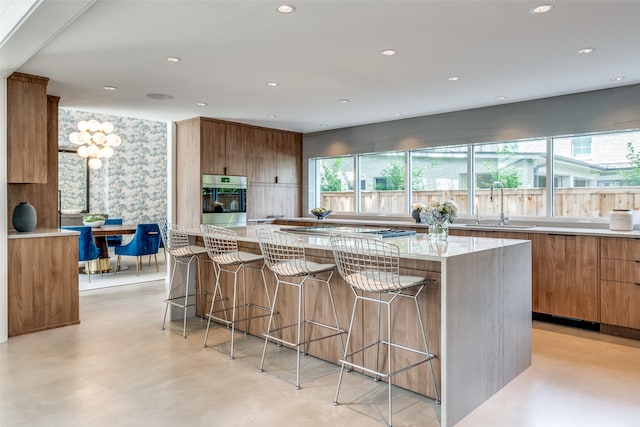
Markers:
point(620, 282)
point(566, 276)
point(43, 283)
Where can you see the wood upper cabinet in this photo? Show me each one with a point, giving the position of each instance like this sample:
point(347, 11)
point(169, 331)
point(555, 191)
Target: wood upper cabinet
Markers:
point(289, 158)
point(275, 157)
point(223, 148)
point(237, 138)
point(26, 129)
point(620, 282)
point(566, 276)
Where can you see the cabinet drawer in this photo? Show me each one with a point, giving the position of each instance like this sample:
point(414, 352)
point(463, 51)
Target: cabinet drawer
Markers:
point(620, 248)
point(618, 270)
point(619, 304)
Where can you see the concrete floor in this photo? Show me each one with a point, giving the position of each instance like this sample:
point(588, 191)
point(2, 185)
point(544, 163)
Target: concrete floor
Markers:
point(117, 368)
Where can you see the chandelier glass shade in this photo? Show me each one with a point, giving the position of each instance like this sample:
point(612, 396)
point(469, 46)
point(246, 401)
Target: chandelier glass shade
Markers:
point(96, 141)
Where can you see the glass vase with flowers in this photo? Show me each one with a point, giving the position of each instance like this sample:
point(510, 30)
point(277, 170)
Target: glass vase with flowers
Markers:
point(439, 216)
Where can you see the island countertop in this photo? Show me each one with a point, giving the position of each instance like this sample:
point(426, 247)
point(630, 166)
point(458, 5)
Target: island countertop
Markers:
point(417, 246)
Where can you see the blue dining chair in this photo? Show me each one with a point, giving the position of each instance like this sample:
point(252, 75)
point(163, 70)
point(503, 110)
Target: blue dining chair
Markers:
point(113, 241)
point(145, 242)
point(87, 249)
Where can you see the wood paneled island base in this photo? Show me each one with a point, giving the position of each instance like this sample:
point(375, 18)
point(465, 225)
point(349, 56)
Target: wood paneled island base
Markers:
point(477, 313)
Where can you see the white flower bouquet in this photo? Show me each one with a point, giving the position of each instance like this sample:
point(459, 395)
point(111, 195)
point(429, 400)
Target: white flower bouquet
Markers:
point(418, 206)
point(439, 213)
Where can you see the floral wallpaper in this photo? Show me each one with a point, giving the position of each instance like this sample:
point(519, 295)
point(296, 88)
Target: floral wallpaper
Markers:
point(132, 184)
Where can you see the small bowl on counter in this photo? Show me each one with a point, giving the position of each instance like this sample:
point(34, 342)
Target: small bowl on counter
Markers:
point(321, 215)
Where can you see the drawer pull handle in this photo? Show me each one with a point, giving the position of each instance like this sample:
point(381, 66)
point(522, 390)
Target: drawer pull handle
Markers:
point(637, 260)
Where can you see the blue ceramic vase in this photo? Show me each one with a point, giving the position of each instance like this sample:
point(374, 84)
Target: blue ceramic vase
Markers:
point(24, 217)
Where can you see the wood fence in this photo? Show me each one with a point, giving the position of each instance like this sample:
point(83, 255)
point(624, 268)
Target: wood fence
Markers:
point(569, 202)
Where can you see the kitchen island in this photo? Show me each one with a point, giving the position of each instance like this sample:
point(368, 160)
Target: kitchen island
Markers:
point(477, 312)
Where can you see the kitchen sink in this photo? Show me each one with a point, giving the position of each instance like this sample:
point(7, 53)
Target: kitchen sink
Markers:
point(501, 227)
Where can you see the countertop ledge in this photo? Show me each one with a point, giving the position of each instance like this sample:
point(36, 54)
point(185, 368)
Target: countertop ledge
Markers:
point(41, 232)
point(534, 228)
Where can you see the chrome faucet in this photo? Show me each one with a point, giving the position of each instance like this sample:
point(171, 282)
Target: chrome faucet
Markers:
point(501, 185)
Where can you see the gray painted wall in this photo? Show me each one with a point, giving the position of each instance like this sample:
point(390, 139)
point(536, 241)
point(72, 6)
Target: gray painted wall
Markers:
point(596, 111)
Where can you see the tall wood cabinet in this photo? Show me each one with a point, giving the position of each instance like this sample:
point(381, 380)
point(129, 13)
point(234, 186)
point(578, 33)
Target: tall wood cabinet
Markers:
point(275, 175)
point(26, 129)
point(271, 159)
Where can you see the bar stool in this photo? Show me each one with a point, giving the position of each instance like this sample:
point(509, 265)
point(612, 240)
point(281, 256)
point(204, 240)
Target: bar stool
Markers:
point(372, 268)
point(222, 247)
point(176, 242)
point(284, 255)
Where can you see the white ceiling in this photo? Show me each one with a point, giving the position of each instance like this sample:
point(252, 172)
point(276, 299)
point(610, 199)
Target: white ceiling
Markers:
point(330, 50)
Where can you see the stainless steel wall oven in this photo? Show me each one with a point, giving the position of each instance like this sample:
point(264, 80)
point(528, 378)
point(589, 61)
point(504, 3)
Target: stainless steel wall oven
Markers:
point(224, 200)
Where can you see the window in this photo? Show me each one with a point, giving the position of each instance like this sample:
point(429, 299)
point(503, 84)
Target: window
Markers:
point(592, 174)
point(440, 174)
point(384, 176)
point(593, 187)
point(581, 146)
point(514, 168)
point(336, 179)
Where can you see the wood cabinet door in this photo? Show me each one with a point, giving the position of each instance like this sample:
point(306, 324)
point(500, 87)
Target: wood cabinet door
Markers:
point(213, 137)
point(289, 158)
point(620, 302)
point(262, 156)
point(566, 276)
point(265, 200)
point(237, 139)
point(26, 129)
point(43, 295)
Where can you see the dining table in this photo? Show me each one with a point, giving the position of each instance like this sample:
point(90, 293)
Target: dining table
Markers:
point(103, 264)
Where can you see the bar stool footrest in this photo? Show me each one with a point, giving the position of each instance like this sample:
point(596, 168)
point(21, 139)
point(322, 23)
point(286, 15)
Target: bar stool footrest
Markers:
point(344, 360)
point(227, 322)
point(292, 344)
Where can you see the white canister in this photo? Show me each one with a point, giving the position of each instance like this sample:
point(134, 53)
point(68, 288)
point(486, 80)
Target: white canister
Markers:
point(621, 220)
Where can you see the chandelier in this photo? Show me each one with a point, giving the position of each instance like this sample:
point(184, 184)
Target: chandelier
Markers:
point(95, 140)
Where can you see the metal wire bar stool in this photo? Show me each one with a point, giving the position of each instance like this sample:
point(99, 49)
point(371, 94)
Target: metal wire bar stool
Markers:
point(284, 255)
point(222, 247)
point(176, 243)
point(372, 268)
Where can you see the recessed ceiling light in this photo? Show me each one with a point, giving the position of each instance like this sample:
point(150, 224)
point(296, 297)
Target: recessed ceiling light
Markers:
point(343, 101)
point(500, 98)
point(453, 78)
point(286, 8)
point(271, 116)
point(617, 78)
point(201, 104)
point(273, 84)
point(397, 114)
point(173, 59)
point(543, 8)
point(324, 125)
point(586, 50)
point(388, 52)
point(110, 88)
point(159, 96)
